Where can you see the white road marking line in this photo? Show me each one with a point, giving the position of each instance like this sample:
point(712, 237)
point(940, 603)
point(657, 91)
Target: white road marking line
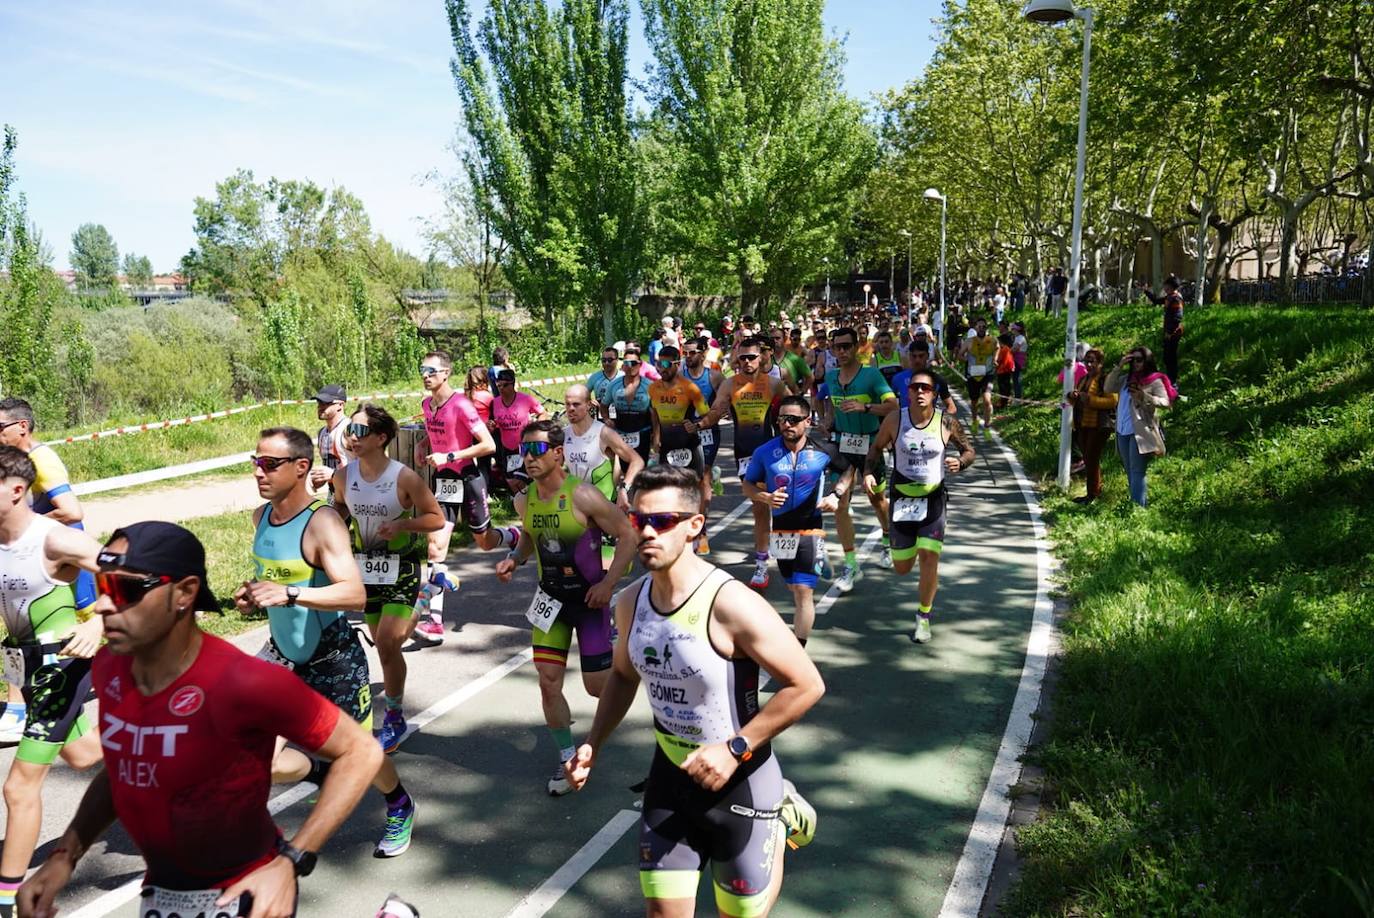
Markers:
point(115, 898)
point(969, 884)
point(727, 519)
point(538, 903)
point(863, 552)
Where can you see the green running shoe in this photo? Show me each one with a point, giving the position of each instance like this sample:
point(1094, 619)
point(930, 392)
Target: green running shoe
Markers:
point(400, 819)
point(797, 815)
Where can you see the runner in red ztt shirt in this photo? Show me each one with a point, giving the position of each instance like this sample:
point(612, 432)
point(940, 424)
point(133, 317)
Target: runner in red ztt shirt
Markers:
point(188, 724)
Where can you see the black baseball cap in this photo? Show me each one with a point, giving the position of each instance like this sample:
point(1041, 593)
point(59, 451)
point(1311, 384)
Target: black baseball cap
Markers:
point(506, 375)
point(332, 393)
point(157, 547)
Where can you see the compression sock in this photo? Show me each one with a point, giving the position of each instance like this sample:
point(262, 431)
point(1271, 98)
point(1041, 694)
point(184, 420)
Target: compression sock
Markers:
point(760, 556)
point(563, 737)
point(887, 542)
point(851, 559)
point(924, 610)
point(396, 795)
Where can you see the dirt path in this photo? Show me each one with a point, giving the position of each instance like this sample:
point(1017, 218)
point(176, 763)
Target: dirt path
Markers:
point(174, 504)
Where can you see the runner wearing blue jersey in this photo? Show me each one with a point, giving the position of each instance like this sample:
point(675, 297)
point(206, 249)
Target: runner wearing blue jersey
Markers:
point(787, 474)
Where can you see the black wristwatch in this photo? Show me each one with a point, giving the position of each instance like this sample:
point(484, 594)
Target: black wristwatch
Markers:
point(293, 594)
point(304, 861)
point(452, 457)
point(739, 748)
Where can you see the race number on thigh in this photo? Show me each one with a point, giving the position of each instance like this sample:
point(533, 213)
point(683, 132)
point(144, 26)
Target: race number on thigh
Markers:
point(185, 903)
point(679, 458)
point(854, 444)
point(448, 490)
point(909, 510)
point(783, 545)
point(379, 569)
point(708, 438)
point(543, 610)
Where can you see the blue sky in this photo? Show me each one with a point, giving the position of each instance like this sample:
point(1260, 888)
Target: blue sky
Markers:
point(127, 112)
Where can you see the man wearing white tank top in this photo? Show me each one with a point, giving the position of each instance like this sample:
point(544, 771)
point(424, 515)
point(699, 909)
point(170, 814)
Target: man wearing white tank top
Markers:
point(696, 637)
point(591, 450)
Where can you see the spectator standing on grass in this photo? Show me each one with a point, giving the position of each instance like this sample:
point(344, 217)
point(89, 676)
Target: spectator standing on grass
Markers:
point(1020, 352)
point(1095, 409)
point(1139, 437)
point(1005, 363)
point(1173, 327)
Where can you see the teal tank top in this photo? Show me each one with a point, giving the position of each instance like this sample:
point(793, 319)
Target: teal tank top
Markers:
point(278, 557)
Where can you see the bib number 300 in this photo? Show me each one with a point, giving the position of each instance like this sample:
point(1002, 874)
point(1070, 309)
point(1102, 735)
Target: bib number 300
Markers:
point(448, 490)
point(185, 903)
point(543, 610)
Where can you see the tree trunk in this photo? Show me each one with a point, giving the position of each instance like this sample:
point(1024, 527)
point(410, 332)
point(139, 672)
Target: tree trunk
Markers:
point(1156, 259)
point(1200, 294)
point(1288, 241)
point(608, 321)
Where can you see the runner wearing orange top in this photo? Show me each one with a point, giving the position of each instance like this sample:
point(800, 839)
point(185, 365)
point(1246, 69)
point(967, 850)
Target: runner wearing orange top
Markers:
point(673, 401)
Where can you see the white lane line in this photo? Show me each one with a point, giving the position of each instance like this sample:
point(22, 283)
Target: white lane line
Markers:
point(863, 552)
point(538, 903)
point(162, 474)
point(727, 519)
point(964, 897)
point(122, 895)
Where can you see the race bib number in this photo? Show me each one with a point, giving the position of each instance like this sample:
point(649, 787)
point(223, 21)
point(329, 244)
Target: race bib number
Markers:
point(679, 458)
point(743, 465)
point(185, 903)
point(543, 610)
point(783, 545)
point(631, 439)
point(14, 666)
point(379, 569)
point(854, 444)
point(978, 369)
point(909, 510)
point(514, 463)
point(448, 490)
point(610, 411)
point(708, 437)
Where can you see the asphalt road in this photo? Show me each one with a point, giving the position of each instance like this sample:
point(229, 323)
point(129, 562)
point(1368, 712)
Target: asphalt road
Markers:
point(895, 757)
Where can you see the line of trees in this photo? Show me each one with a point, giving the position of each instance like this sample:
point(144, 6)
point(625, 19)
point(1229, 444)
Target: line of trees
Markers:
point(1211, 121)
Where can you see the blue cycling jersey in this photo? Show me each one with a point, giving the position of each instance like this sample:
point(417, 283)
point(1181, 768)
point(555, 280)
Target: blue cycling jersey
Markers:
point(802, 473)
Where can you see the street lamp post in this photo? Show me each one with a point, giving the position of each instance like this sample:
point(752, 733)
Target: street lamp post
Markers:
point(934, 195)
point(910, 298)
point(1049, 12)
point(827, 280)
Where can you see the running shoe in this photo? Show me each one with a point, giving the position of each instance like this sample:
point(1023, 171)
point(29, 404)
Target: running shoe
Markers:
point(921, 634)
point(12, 725)
point(400, 819)
point(885, 558)
point(393, 731)
point(396, 907)
point(827, 570)
point(431, 628)
point(798, 815)
point(439, 578)
point(848, 574)
point(559, 783)
point(760, 579)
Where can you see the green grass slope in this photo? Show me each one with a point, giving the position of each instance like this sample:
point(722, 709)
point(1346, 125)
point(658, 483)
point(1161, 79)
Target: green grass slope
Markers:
point(1212, 742)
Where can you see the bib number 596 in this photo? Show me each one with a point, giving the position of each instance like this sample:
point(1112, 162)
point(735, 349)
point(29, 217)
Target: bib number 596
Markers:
point(543, 610)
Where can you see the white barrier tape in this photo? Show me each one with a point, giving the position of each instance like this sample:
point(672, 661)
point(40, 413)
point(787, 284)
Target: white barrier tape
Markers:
point(171, 471)
point(210, 416)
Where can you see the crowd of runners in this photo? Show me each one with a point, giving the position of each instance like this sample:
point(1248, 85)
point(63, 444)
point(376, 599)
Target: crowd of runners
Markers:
point(611, 497)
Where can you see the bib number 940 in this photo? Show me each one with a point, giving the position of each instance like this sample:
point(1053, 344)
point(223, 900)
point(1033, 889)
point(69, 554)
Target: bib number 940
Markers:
point(379, 569)
point(185, 903)
point(543, 610)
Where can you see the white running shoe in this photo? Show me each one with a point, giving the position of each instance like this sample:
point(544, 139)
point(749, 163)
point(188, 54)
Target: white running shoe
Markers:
point(922, 633)
point(559, 783)
point(760, 579)
point(885, 558)
point(848, 574)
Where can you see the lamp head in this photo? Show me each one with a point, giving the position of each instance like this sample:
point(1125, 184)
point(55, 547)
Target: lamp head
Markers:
point(933, 195)
point(1049, 11)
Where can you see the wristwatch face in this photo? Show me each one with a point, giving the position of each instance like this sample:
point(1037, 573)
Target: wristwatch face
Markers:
point(739, 746)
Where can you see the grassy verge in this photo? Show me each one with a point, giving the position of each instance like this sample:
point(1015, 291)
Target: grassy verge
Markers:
point(120, 455)
point(1212, 747)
